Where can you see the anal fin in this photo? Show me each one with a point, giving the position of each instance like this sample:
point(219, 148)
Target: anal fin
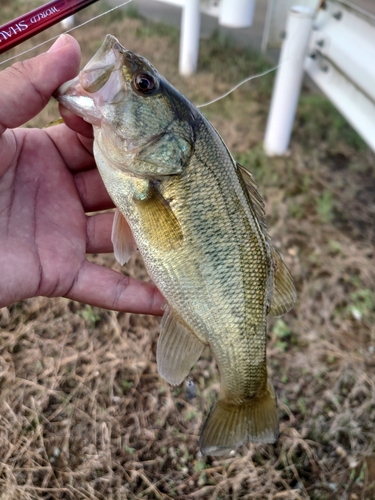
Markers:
point(123, 241)
point(178, 349)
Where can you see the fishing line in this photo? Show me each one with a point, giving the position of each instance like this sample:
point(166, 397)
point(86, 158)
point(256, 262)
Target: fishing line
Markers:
point(258, 75)
point(320, 5)
point(65, 32)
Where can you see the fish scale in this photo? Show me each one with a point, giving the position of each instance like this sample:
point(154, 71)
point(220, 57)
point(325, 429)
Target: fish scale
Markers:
point(198, 221)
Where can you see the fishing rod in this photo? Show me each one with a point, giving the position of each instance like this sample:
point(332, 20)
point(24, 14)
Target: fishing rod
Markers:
point(37, 20)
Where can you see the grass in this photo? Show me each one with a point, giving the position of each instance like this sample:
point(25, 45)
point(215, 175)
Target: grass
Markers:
point(83, 412)
point(327, 125)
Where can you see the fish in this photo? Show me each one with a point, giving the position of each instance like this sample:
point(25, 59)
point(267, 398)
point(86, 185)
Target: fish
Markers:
point(198, 220)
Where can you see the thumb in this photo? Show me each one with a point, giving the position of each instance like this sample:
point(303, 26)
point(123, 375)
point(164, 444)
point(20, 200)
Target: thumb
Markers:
point(27, 86)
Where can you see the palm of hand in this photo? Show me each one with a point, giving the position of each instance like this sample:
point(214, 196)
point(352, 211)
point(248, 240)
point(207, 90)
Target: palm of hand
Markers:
point(49, 185)
point(42, 221)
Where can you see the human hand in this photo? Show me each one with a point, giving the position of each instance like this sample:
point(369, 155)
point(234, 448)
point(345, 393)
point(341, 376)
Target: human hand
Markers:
point(48, 181)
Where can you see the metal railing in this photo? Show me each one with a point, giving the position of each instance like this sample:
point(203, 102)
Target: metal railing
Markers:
point(338, 53)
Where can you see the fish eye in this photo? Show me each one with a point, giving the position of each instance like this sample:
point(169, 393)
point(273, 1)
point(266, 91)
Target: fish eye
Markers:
point(145, 83)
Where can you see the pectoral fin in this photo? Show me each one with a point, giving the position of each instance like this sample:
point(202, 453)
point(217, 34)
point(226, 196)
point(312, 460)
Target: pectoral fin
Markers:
point(123, 241)
point(159, 223)
point(284, 293)
point(178, 349)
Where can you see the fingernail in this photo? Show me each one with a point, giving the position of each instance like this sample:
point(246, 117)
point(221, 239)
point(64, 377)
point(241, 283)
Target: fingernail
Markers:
point(60, 42)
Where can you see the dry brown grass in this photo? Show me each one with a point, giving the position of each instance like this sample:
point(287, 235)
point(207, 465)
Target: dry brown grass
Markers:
point(83, 412)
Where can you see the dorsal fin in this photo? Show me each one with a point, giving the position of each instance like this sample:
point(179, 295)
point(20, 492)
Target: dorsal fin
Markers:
point(284, 294)
point(255, 197)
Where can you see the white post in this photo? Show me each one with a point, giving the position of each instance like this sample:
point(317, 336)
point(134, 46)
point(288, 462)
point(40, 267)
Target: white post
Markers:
point(288, 80)
point(237, 13)
point(189, 38)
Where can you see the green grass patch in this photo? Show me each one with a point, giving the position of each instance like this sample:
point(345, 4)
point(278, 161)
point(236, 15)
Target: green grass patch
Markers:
point(317, 120)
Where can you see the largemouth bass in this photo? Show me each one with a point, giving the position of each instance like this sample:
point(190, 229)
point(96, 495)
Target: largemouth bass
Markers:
point(198, 220)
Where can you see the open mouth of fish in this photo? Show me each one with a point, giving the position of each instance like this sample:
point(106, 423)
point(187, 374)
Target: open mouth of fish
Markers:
point(100, 82)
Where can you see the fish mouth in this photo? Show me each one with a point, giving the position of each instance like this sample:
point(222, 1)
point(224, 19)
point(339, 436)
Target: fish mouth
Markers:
point(96, 85)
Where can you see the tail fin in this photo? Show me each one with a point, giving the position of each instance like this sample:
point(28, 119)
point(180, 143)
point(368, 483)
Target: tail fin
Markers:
point(229, 426)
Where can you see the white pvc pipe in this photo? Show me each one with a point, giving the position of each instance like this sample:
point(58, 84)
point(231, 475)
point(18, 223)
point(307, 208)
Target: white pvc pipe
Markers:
point(189, 38)
point(288, 80)
point(237, 13)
